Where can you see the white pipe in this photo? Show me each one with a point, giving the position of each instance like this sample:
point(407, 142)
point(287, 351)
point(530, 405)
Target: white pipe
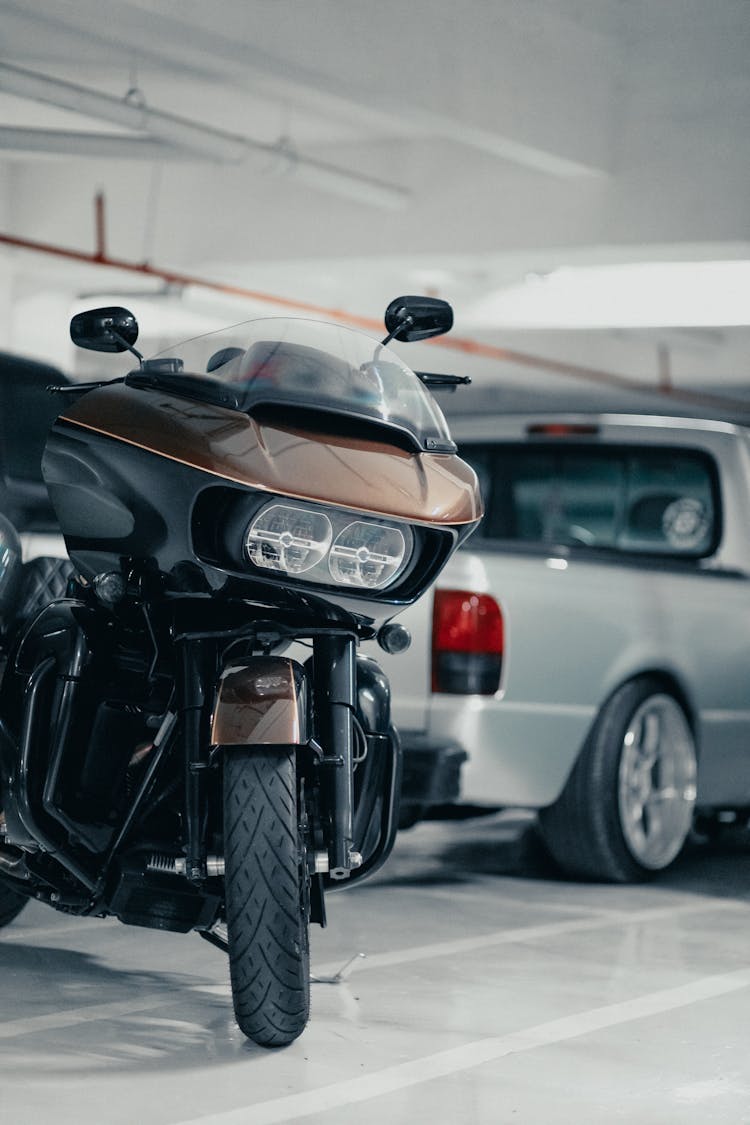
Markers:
point(58, 142)
point(202, 140)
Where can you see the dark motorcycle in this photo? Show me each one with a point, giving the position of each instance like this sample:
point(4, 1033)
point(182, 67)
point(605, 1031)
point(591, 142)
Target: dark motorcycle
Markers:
point(170, 753)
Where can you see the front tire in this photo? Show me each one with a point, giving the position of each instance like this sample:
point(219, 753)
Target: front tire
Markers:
point(627, 806)
point(266, 891)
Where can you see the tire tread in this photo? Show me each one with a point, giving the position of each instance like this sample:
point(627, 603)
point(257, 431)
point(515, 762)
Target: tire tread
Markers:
point(268, 947)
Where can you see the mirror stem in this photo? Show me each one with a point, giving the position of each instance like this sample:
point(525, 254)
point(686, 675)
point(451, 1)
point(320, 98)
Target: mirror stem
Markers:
point(129, 347)
point(406, 322)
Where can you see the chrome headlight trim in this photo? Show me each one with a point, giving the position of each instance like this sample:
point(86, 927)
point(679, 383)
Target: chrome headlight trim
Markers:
point(367, 554)
point(288, 538)
point(326, 546)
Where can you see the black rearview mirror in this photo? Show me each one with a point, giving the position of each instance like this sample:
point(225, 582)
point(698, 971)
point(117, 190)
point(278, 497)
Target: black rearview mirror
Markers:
point(111, 329)
point(417, 318)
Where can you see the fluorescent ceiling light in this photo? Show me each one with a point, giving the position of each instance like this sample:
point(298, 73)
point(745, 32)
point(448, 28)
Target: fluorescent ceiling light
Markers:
point(635, 295)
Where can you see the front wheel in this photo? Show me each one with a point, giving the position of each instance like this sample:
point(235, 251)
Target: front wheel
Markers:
point(627, 806)
point(266, 891)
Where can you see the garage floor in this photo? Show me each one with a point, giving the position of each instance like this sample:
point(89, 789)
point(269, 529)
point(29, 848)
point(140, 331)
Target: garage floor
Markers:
point(483, 989)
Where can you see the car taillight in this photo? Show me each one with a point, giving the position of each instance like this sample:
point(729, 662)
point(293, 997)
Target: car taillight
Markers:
point(467, 643)
point(561, 429)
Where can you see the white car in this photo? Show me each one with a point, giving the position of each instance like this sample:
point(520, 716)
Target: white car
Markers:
point(589, 648)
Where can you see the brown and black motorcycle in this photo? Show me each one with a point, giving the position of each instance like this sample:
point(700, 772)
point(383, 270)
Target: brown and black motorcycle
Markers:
point(189, 738)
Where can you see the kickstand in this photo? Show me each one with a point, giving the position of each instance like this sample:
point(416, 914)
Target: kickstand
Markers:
point(217, 936)
point(342, 974)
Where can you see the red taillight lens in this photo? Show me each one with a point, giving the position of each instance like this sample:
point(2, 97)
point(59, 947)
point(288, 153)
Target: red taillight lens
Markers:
point(467, 643)
point(561, 429)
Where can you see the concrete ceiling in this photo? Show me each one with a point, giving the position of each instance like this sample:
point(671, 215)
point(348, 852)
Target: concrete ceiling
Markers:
point(340, 152)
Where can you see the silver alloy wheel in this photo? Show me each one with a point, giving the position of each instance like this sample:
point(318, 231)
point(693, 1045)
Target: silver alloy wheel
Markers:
point(657, 781)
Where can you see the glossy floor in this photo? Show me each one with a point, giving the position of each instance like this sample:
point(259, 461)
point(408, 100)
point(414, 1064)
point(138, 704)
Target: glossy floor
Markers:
point(482, 989)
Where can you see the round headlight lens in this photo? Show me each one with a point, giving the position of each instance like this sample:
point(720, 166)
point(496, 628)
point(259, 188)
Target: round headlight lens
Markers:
point(287, 538)
point(367, 554)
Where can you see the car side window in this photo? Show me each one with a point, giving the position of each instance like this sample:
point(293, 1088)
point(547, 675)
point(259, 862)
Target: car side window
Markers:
point(669, 504)
point(628, 499)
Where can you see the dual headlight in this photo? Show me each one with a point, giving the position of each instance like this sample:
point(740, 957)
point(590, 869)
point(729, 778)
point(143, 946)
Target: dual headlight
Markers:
point(329, 547)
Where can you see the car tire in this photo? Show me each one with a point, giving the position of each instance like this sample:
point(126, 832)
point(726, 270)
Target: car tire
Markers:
point(627, 807)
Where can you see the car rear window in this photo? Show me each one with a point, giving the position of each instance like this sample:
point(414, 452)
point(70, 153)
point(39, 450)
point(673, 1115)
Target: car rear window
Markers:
point(632, 499)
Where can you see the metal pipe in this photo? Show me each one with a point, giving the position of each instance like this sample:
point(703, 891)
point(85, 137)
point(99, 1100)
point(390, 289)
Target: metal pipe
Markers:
point(452, 343)
point(334, 664)
point(204, 141)
point(60, 738)
point(25, 811)
point(98, 146)
point(191, 701)
point(161, 743)
point(12, 865)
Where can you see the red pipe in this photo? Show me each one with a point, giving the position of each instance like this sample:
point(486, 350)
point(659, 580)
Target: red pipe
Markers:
point(101, 244)
point(174, 278)
point(453, 343)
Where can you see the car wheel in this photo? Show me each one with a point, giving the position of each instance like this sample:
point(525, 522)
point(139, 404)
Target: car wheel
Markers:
point(627, 806)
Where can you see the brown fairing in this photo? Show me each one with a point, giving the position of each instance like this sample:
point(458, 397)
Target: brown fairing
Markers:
point(371, 476)
point(262, 703)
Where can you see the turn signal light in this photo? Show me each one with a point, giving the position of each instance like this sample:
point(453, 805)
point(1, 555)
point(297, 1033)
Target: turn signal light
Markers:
point(467, 643)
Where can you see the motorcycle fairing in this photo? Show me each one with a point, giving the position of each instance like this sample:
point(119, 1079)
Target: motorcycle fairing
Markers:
point(169, 511)
point(262, 702)
point(306, 463)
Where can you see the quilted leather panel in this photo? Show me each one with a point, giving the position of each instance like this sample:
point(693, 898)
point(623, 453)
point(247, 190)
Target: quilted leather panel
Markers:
point(42, 580)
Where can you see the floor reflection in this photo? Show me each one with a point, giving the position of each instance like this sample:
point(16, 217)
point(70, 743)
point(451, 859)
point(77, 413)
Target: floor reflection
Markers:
point(109, 1016)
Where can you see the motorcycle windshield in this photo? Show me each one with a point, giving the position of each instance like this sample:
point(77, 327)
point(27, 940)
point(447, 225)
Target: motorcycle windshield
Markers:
point(312, 365)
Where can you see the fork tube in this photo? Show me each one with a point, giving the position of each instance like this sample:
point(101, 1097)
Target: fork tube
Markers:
point(335, 671)
point(191, 704)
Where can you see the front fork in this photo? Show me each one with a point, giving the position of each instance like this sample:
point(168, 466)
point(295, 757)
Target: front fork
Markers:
point(334, 693)
point(191, 700)
point(265, 702)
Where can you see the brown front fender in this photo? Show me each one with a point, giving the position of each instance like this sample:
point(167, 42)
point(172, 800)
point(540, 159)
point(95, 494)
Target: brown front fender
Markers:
point(262, 703)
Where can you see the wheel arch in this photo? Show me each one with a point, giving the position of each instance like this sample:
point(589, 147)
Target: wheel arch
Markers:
point(583, 828)
point(669, 681)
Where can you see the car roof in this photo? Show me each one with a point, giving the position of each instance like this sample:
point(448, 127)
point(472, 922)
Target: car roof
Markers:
point(729, 404)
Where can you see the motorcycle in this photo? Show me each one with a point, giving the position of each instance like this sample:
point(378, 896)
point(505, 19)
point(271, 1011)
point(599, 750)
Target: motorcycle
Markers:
point(190, 739)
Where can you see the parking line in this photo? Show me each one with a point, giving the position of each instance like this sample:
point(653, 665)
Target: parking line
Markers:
point(531, 933)
point(294, 1107)
point(74, 1016)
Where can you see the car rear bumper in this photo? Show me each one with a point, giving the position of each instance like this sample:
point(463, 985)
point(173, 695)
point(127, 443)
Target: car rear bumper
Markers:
point(519, 754)
point(431, 775)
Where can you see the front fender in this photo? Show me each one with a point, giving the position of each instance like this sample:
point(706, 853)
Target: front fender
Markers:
point(263, 702)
